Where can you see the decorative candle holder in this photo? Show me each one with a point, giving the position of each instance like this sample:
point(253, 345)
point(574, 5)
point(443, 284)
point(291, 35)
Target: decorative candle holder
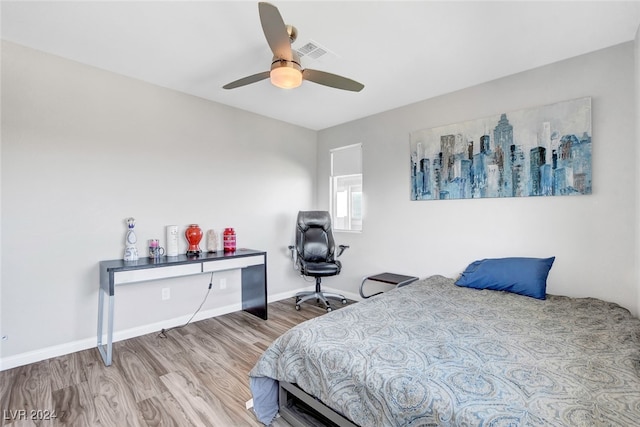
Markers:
point(229, 238)
point(193, 235)
point(155, 250)
point(172, 240)
point(212, 241)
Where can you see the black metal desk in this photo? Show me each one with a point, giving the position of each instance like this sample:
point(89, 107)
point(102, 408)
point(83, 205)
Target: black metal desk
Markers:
point(389, 278)
point(252, 263)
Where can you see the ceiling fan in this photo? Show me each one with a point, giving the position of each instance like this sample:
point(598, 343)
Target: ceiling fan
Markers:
point(286, 71)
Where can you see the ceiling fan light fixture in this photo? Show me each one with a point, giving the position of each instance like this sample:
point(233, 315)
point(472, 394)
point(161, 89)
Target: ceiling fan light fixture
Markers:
point(285, 74)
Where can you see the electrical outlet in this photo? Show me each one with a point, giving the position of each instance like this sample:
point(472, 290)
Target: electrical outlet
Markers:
point(166, 294)
point(223, 283)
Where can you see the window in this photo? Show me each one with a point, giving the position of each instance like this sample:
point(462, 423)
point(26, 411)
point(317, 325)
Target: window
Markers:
point(346, 188)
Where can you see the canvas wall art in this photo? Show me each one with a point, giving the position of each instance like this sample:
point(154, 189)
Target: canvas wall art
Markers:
point(543, 151)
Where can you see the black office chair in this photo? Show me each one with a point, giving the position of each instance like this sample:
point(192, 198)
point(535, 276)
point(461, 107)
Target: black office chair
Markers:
point(315, 254)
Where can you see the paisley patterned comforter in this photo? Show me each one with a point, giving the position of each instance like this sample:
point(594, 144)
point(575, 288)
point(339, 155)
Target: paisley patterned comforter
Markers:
point(433, 353)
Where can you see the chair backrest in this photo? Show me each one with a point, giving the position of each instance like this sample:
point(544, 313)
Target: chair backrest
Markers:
point(314, 237)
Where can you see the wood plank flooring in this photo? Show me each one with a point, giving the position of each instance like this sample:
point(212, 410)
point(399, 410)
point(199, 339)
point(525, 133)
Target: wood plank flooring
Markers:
point(196, 376)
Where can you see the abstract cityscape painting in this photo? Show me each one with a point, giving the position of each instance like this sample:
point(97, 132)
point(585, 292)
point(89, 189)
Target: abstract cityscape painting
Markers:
point(544, 151)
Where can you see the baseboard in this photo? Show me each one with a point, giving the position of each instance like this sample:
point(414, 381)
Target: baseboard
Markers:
point(46, 353)
point(348, 295)
point(84, 344)
point(291, 294)
point(72, 347)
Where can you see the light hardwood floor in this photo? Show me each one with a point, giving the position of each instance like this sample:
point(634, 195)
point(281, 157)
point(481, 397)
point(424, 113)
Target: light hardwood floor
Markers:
point(196, 376)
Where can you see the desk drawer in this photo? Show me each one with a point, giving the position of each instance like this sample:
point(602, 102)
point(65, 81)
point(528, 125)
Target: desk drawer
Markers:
point(141, 275)
point(232, 264)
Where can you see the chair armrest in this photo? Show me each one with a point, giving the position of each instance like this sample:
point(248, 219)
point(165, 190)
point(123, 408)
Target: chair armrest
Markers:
point(341, 249)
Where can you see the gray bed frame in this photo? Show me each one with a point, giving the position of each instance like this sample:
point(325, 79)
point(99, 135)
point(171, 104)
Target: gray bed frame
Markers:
point(302, 410)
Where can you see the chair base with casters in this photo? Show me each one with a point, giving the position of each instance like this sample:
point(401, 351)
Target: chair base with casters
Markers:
point(319, 295)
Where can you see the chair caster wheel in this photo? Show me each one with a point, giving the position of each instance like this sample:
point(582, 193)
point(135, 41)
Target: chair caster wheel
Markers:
point(344, 301)
point(329, 309)
point(297, 307)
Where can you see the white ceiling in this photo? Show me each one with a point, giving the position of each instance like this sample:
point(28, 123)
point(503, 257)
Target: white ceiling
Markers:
point(403, 52)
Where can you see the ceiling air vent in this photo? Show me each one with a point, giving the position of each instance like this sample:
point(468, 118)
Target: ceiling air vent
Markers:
point(311, 51)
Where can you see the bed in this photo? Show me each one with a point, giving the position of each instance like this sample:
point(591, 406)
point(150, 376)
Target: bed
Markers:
point(434, 353)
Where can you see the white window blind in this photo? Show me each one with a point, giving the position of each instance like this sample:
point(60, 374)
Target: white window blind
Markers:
point(346, 160)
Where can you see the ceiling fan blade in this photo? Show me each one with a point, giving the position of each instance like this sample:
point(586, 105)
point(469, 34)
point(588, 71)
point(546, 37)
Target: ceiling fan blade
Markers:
point(331, 80)
point(247, 80)
point(275, 31)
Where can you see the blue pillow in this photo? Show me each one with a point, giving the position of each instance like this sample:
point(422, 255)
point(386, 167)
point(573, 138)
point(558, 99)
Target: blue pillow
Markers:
point(524, 276)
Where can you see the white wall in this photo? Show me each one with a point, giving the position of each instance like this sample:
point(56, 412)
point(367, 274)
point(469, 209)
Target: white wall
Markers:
point(83, 149)
point(637, 140)
point(593, 237)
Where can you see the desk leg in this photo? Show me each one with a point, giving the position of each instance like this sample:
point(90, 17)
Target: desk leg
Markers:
point(106, 351)
point(254, 290)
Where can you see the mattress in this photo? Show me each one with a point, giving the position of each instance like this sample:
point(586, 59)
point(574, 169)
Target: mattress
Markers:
point(433, 353)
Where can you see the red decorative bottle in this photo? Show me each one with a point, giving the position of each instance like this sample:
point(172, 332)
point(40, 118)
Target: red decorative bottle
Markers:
point(193, 233)
point(229, 238)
